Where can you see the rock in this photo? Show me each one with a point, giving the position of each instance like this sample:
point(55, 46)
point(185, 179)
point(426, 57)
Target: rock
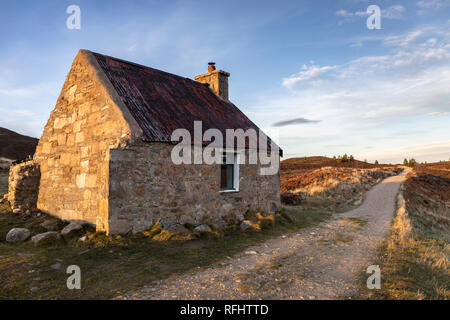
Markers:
point(167, 224)
point(56, 266)
point(249, 253)
point(83, 223)
point(240, 217)
point(72, 230)
point(83, 238)
point(202, 228)
point(17, 211)
point(245, 225)
point(177, 228)
point(47, 238)
point(219, 224)
point(50, 225)
point(248, 226)
point(18, 235)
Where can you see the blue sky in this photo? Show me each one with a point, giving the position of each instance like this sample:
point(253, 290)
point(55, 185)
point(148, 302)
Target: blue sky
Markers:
point(378, 94)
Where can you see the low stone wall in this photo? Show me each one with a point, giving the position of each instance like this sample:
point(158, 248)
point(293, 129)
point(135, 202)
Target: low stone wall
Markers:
point(24, 181)
point(145, 187)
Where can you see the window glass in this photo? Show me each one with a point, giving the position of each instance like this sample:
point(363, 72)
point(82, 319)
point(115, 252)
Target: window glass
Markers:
point(227, 173)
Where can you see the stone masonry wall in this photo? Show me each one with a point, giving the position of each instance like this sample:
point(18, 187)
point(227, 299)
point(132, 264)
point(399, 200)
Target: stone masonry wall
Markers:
point(145, 186)
point(24, 185)
point(73, 151)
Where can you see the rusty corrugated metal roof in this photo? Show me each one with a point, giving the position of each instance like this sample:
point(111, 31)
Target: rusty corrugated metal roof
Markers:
point(162, 102)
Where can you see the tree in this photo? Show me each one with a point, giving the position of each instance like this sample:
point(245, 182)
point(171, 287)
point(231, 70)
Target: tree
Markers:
point(352, 158)
point(376, 162)
point(406, 162)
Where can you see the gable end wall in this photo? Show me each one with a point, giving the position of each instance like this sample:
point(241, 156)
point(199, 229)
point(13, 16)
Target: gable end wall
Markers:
point(73, 151)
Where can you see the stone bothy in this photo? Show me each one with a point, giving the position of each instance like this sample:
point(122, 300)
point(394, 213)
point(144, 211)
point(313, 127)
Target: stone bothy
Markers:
point(105, 153)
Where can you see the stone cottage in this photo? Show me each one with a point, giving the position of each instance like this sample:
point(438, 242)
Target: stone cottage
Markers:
point(105, 154)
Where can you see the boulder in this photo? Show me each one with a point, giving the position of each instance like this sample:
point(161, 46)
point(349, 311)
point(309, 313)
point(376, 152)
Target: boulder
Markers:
point(245, 225)
point(47, 238)
point(56, 266)
point(50, 225)
point(202, 228)
point(73, 229)
point(219, 224)
point(18, 235)
point(177, 228)
point(248, 226)
point(17, 211)
point(83, 223)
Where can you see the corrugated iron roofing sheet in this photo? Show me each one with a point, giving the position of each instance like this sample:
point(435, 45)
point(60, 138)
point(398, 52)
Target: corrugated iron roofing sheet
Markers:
point(162, 102)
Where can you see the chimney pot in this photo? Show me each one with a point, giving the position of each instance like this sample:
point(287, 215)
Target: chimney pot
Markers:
point(211, 66)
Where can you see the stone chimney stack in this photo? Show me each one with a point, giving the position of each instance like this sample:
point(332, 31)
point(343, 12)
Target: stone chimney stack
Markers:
point(217, 80)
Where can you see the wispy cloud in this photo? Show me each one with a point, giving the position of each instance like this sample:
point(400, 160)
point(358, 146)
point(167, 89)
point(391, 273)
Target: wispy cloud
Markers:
point(293, 121)
point(306, 73)
point(437, 114)
point(433, 4)
point(391, 12)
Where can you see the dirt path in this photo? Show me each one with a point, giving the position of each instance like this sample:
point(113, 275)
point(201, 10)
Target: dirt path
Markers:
point(316, 263)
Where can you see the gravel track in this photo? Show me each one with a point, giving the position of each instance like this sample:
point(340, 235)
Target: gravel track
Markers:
point(321, 262)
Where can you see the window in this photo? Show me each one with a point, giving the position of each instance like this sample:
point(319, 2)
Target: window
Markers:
point(229, 173)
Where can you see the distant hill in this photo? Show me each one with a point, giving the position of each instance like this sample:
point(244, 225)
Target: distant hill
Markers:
point(319, 162)
point(15, 146)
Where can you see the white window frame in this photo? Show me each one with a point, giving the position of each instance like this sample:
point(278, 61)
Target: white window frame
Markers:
point(235, 171)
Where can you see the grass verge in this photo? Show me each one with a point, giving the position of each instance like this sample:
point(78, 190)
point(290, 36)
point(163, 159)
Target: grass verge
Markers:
point(414, 260)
